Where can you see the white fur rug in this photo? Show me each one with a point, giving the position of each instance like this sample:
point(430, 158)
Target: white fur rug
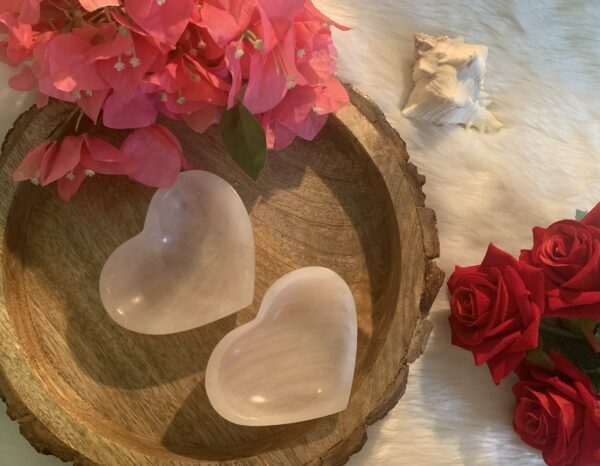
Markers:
point(544, 78)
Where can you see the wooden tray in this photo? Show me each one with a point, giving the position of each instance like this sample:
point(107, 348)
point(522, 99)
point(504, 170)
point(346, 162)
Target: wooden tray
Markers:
point(86, 390)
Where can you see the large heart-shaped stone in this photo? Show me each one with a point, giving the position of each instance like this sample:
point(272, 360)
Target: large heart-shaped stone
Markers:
point(192, 264)
point(295, 361)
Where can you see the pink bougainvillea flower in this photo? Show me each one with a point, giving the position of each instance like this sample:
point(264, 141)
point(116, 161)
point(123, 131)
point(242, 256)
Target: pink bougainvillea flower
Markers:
point(41, 68)
point(70, 66)
point(19, 41)
point(264, 39)
point(29, 168)
point(125, 71)
point(158, 153)
point(316, 54)
point(185, 87)
point(273, 44)
point(203, 118)
point(91, 5)
point(124, 110)
point(25, 80)
point(165, 20)
point(272, 75)
point(27, 11)
point(91, 102)
point(70, 162)
point(30, 11)
point(226, 20)
point(234, 63)
point(95, 156)
point(107, 41)
point(303, 112)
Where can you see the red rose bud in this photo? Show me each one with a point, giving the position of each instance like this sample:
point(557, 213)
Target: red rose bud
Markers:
point(496, 310)
point(568, 252)
point(558, 412)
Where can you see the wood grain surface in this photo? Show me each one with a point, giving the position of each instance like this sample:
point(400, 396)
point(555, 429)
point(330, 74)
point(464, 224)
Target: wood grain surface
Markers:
point(88, 391)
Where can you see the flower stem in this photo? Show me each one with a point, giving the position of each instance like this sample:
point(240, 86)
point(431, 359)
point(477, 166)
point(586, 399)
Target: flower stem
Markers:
point(58, 129)
point(556, 330)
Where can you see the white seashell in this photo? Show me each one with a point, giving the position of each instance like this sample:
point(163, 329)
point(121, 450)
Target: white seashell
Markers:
point(295, 361)
point(192, 264)
point(448, 76)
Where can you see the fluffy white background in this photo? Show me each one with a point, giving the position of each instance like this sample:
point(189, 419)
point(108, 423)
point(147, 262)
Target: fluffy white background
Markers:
point(544, 78)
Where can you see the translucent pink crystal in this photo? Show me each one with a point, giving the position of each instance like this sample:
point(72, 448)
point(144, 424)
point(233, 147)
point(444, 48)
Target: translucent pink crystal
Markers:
point(192, 264)
point(295, 361)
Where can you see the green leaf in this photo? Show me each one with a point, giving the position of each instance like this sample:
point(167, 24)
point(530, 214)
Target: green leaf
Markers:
point(578, 351)
point(579, 214)
point(540, 358)
point(244, 139)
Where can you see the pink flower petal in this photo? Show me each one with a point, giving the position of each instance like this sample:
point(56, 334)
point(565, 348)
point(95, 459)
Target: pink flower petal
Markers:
point(276, 18)
point(123, 110)
point(165, 21)
point(283, 137)
point(227, 19)
point(333, 97)
point(41, 100)
point(298, 112)
point(130, 76)
point(116, 43)
point(30, 11)
point(266, 86)
point(91, 103)
point(287, 9)
point(103, 157)
point(201, 120)
point(70, 67)
point(25, 80)
point(20, 38)
point(91, 5)
point(235, 68)
point(271, 75)
point(172, 139)
point(57, 164)
point(29, 168)
point(157, 154)
point(68, 186)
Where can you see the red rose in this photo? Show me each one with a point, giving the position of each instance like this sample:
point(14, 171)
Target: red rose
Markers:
point(568, 252)
point(496, 310)
point(558, 412)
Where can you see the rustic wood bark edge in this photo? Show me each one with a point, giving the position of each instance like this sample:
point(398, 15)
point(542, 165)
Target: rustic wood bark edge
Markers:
point(47, 443)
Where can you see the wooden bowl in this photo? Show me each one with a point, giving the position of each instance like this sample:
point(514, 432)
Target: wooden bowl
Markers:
point(89, 391)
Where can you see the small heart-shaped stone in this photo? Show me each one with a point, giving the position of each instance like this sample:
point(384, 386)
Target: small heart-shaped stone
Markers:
point(193, 262)
point(295, 361)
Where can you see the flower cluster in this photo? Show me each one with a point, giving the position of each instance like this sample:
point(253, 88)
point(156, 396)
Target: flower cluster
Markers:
point(127, 61)
point(525, 316)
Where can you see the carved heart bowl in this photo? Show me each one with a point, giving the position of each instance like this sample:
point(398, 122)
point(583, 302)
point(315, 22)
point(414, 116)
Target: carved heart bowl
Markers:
point(87, 390)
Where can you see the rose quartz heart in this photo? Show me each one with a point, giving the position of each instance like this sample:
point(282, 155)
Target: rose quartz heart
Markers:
point(295, 361)
point(192, 264)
